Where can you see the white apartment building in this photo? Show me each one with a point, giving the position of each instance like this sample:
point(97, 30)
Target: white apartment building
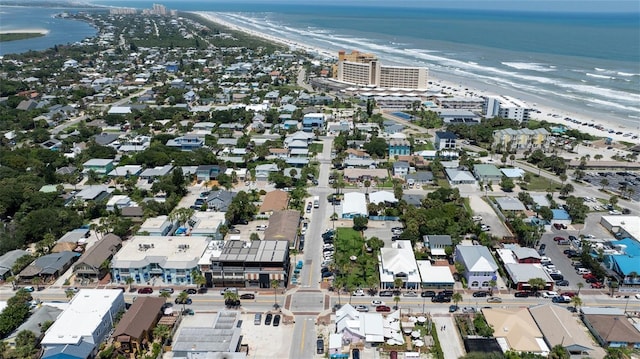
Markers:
point(367, 71)
point(506, 107)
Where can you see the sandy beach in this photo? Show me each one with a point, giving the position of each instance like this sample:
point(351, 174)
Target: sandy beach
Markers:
point(442, 82)
point(25, 31)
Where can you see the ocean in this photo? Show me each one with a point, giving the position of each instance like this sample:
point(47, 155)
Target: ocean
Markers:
point(586, 62)
point(61, 31)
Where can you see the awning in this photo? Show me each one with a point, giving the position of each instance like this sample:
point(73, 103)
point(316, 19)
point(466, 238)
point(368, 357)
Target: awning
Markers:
point(438, 252)
point(252, 276)
point(276, 276)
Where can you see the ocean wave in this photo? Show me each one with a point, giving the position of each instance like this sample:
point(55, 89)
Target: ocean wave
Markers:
point(532, 66)
point(626, 74)
point(600, 76)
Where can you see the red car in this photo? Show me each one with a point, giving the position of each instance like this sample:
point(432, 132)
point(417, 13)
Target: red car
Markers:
point(383, 308)
point(597, 285)
point(558, 239)
point(588, 275)
point(569, 294)
point(145, 290)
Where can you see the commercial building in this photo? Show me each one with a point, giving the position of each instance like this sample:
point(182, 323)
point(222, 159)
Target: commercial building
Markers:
point(480, 268)
point(398, 262)
point(627, 226)
point(84, 325)
point(365, 70)
point(283, 226)
point(436, 277)
point(354, 205)
point(209, 336)
point(151, 259)
point(445, 140)
point(509, 139)
point(251, 264)
point(515, 330)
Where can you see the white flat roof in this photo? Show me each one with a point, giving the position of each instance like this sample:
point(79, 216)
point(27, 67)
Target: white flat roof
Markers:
point(434, 274)
point(154, 223)
point(630, 224)
point(85, 312)
point(354, 203)
point(168, 252)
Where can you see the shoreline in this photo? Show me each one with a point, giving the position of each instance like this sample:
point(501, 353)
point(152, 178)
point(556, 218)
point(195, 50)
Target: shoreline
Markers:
point(43, 32)
point(550, 110)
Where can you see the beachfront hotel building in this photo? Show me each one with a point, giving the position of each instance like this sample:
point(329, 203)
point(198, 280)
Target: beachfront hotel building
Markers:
point(365, 70)
point(506, 107)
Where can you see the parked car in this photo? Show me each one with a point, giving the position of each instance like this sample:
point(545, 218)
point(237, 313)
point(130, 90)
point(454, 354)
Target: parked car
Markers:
point(494, 300)
point(262, 227)
point(549, 294)
point(247, 296)
point(268, 318)
point(276, 320)
point(453, 308)
point(441, 299)
point(320, 346)
point(183, 301)
point(257, 319)
point(362, 308)
point(166, 290)
point(383, 309)
point(410, 294)
point(145, 290)
point(485, 228)
point(202, 290)
point(558, 239)
point(480, 293)
point(377, 302)
point(562, 299)
point(232, 290)
point(386, 293)
point(521, 294)
point(562, 283)
point(428, 293)
point(355, 353)
point(358, 293)
point(30, 289)
point(476, 218)
point(597, 285)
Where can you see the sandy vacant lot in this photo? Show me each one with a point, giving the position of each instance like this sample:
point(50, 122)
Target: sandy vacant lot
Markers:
point(266, 342)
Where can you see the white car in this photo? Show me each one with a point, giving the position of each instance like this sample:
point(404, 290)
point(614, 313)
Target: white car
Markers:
point(549, 294)
point(358, 293)
point(477, 218)
point(377, 302)
point(615, 212)
point(262, 227)
point(485, 228)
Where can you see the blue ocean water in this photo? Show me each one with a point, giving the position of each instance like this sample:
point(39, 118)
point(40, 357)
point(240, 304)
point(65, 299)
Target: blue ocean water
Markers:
point(61, 31)
point(586, 62)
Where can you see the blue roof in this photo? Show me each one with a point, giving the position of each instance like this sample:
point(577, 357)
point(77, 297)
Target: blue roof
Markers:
point(446, 134)
point(69, 351)
point(632, 247)
point(560, 214)
point(626, 264)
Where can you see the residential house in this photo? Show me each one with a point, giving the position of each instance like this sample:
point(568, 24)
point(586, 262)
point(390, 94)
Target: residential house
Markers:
point(105, 138)
point(7, 261)
point(209, 172)
point(92, 262)
point(157, 226)
point(384, 197)
point(419, 178)
point(458, 116)
point(27, 105)
point(612, 331)
point(399, 147)
point(516, 330)
point(401, 169)
point(353, 175)
point(274, 201)
point(156, 172)
point(398, 263)
point(186, 143)
point(252, 264)
point(204, 224)
point(38, 317)
point(220, 200)
point(458, 177)
point(119, 201)
point(98, 165)
point(487, 173)
point(263, 171)
point(94, 193)
point(437, 243)
point(354, 154)
point(510, 204)
point(126, 171)
point(162, 260)
point(479, 266)
point(134, 331)
point(445, 141)
point(312, 122)
point(80, 330)
point(49, 266)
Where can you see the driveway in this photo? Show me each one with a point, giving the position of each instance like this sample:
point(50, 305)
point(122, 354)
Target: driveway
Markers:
point(489, 216)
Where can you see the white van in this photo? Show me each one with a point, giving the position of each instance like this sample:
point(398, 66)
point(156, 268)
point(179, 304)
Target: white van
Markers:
point(583, 271)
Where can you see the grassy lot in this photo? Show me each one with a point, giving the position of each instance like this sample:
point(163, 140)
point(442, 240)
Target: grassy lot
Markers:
point(424, 147)
point(361, 273)
point(541, 184)
point(443, 183)
point(315, 147)
point(19, 36)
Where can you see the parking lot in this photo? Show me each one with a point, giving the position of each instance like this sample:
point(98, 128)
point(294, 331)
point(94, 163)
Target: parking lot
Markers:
point(266, 341)
point(616, 180)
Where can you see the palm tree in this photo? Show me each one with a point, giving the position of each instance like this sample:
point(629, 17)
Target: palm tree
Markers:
point(231, 298)
point(492, 284)
point(36, 282)
point(632, 277)
point(129, 281)
point(604, 182)
point(182, 298)
point(161, 332)
point(456, 298)
point(396, 300)
point(579, 285)
point(397, 283)
point(559, 352)
point(181, 215)
point(576, 301)
point(274, 284)
point(537, 283)
point(165, 295)
point(69, 293)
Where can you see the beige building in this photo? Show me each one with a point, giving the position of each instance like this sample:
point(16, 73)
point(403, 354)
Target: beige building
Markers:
point(515, 329)
point(519, 139)
point(365, 70)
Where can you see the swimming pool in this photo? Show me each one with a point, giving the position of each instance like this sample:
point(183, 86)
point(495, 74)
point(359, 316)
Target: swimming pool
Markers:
point(181, 230)
point(402, 115)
